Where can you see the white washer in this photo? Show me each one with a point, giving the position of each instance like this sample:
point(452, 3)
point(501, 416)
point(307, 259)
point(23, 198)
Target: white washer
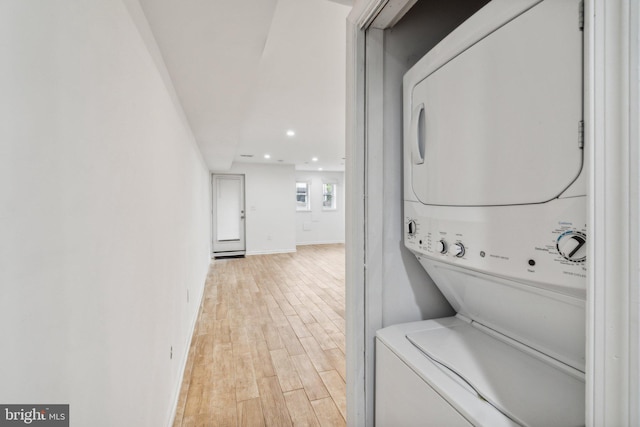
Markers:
point(494, 206)
point(448, 372)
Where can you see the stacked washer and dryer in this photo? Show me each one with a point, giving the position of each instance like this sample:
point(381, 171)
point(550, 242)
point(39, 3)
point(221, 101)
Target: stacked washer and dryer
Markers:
point(495, 211)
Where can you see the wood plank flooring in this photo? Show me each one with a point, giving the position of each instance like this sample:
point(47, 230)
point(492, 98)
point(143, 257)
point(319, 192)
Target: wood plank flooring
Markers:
point(268, 348)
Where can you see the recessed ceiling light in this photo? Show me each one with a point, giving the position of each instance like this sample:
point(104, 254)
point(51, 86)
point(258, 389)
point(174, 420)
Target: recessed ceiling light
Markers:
point(291, 132)
point(314, 159)
point(267, 156)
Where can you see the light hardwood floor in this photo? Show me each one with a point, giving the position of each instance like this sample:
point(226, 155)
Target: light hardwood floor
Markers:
point(268, 349)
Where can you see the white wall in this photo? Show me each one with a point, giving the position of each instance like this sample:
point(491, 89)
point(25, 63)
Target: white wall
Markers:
point(104, 216)
point(408, 293)
point(270, 206)
point(320, 226)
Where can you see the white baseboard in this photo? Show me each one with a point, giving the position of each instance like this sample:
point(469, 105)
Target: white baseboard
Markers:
point(271, 251)
point(185, 356)
point(324, 242)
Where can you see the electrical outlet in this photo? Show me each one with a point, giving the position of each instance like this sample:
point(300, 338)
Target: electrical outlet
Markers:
point(171, 352)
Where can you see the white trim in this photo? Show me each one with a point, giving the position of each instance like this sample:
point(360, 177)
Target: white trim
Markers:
point(324, 242)
point(392, 13)
point(270, 252)
point(364, 12)
point(355, 219)
point(634, 214)
point(185, 356)
point(374, 207)
point(363, 317)
point(612, 152)
point(379, 14)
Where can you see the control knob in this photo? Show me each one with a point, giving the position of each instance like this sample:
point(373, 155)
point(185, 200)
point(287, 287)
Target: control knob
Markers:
point(441, 246)
point(411, 228)
point(457, 250)
point(572, 245)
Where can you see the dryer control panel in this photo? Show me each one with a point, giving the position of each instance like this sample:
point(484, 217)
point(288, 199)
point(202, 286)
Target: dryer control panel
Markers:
point(544, 245)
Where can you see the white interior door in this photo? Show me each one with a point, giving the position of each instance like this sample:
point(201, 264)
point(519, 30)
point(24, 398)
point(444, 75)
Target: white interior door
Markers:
point(228, 215)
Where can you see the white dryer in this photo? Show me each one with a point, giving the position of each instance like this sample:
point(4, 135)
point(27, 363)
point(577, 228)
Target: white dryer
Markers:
point(494, 206)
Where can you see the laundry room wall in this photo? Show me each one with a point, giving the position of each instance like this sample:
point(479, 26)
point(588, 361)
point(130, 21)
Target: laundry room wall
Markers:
point(320, 226)
point(270, 206)
point(385, 282)
point(104, 215)
point(408, 293)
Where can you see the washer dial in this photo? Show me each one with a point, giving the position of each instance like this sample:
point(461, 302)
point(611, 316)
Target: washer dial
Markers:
point(457, 249)
point(412, 228)
point(572, 245)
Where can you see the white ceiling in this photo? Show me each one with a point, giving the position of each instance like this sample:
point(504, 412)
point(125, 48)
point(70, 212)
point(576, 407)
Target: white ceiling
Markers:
point(248, 71)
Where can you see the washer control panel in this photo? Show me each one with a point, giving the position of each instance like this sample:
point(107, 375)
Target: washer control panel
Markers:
point(545, 243)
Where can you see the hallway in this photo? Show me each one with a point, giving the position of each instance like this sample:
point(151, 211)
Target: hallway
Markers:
point(268, 347)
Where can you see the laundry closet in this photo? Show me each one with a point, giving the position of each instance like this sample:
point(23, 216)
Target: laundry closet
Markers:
point(476, 150)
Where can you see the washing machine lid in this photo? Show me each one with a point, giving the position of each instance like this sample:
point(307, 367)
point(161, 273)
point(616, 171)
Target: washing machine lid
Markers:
point(500, 123)
point(524, 388)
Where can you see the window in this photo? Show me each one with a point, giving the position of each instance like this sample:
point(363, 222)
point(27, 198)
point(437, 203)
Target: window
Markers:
point(302, 196)
point(328, 197)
